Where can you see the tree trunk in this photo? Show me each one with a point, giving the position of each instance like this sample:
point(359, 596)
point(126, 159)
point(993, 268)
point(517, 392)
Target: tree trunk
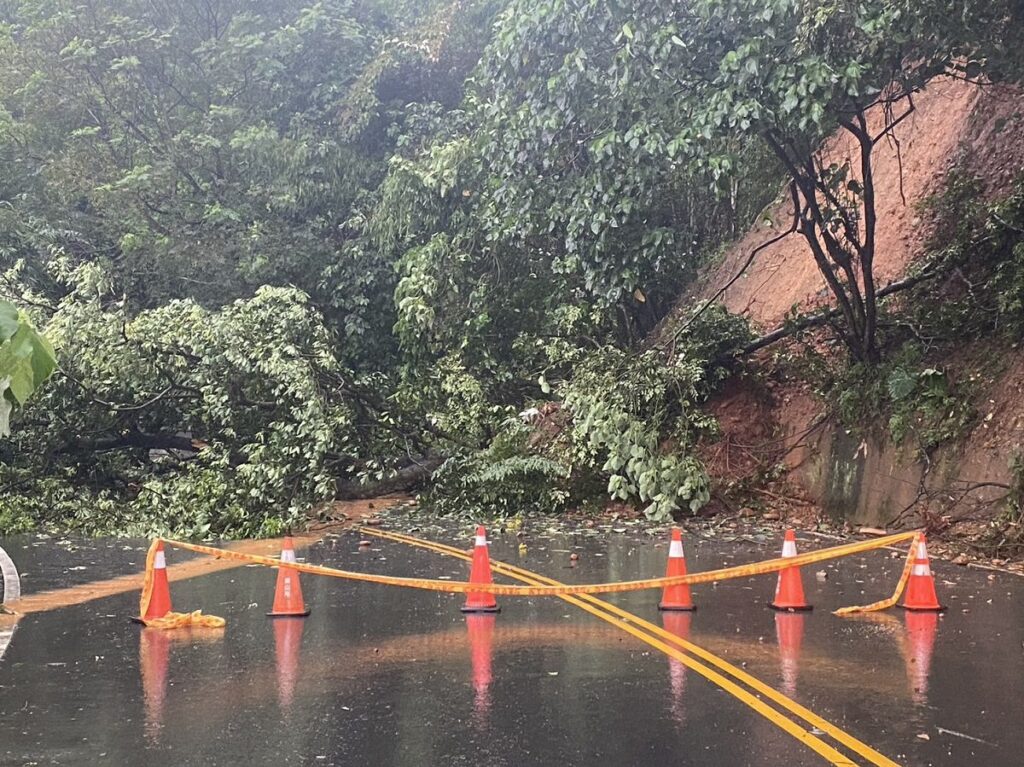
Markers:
point(407, 478)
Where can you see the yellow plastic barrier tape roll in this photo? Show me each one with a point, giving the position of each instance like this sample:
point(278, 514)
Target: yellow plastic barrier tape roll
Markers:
point(194, 619)
point(463, 587)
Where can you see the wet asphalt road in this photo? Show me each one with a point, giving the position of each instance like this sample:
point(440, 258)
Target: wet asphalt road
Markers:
point(385, 676)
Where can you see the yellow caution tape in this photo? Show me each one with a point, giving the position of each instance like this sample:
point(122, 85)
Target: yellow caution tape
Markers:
point(885, 604)
point(463, 587)
point(147, 580)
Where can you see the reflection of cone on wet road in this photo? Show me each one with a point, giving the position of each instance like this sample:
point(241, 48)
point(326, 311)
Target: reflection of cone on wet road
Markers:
point(480, 572)
point(154, 655)
point(287, 643)
point(160, 599)
point(789, 631)
point(789, 591)
point(481, 648)
point(288, 593)
point(678, 623)
point(676, 597)
point(921, 629)
point(920, 594)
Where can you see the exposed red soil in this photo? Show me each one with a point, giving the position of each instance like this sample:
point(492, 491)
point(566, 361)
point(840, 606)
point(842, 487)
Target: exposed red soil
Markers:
point(779, 422)
point(950, 118)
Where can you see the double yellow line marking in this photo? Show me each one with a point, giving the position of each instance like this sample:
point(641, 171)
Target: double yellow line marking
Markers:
point(674, 647)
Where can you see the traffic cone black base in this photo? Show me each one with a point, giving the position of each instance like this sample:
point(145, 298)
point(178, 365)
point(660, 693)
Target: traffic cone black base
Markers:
point(802, 609)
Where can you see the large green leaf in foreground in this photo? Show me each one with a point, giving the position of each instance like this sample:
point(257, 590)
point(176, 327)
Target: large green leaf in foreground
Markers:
point(26, 360)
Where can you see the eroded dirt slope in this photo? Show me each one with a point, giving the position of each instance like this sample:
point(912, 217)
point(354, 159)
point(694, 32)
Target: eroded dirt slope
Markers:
point(950, 118)
point(781, 421)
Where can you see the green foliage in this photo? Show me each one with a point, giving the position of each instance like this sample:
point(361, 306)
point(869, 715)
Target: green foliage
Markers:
point(915, 400)
point(1005, 536)
point(637, 419)
point(197, 421)
point(624, 428)
point(510, 477)
point(637, 416)
point(579, 145)
point(981, 243)
point(26, 361)
point(163, 165)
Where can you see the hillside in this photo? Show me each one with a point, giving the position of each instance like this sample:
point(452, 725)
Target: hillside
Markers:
point(869, 479)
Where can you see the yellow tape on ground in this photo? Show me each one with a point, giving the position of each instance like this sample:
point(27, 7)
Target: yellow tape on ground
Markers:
point(500, 589)
point(611, 614)
point(194, 619)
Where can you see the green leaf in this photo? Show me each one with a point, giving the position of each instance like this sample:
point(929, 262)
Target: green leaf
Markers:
point(8, 320)
point(901, 384)
point(26, 360)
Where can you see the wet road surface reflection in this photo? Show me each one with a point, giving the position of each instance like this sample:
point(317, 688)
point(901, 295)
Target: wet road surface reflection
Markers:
point(378, 675)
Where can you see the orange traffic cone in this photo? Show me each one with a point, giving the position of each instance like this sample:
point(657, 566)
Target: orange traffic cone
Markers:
point(480, 572)
point(789, 591)
point(288, 594)
point(676, 597)
point(287, 643)
point(789, 631)
point(160, 597)
point(920, 593)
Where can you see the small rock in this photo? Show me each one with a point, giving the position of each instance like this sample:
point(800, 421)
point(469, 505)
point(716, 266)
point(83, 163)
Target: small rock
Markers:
point(772, 515)
point(373, 521)
point(365, 543)
point(747, 512)
point(821, 575)
point(871, 531)
point(962, 560)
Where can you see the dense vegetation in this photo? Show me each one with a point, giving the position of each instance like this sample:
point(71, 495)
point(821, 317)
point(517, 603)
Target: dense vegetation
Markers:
point(291, 251)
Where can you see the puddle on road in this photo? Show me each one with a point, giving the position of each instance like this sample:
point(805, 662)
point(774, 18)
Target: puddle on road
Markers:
point(379, 675)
